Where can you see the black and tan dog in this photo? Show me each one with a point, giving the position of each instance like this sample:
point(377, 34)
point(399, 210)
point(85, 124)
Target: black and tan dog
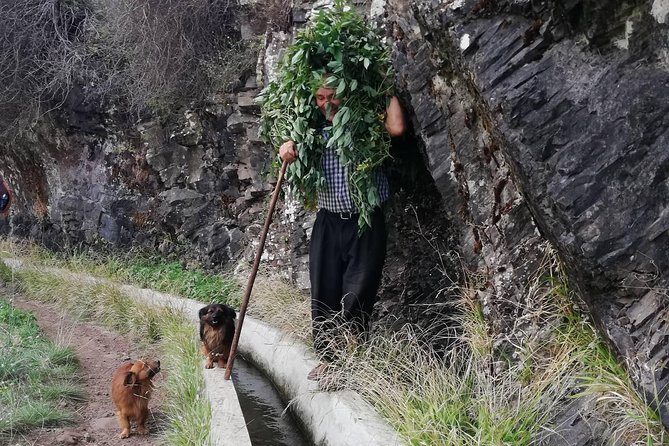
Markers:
point(217, 328)
point(130, 390)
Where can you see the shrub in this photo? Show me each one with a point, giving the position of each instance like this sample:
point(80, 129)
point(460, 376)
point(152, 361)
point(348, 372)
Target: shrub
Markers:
point(140, 55)
point(41, 50)
point(158, 53)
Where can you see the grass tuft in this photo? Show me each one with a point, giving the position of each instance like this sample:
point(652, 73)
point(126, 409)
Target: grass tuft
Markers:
point(36, 377)
point(189, 414)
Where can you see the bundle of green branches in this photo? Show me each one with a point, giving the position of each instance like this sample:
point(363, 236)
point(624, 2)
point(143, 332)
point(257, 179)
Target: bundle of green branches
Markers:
point(338, 42)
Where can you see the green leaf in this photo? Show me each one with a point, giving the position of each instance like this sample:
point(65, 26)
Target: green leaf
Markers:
point(347, 140)
point(335, 66)
point(366, 62)
point(344, 114)
point(373, 197)
point(341, 87)
point(338, 132)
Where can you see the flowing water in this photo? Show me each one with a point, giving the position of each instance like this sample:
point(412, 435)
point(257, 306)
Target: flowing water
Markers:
point(267, 420)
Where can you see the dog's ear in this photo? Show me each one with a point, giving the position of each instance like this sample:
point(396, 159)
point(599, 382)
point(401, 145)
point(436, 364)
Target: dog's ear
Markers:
point(231, 313)
point(130, 379)
point(203, 311)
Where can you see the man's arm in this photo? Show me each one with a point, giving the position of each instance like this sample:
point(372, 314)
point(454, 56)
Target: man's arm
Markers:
point(395, 123)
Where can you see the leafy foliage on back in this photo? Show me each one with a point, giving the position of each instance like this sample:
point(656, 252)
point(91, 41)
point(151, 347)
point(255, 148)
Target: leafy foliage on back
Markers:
point(338, 42)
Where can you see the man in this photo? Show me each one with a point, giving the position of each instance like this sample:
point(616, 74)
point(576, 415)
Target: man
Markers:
point(344, 265)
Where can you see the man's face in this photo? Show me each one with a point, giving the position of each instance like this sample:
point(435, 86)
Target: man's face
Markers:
point(325, 96)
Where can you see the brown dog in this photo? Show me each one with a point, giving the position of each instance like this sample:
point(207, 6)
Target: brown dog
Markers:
point(131, 389)
point(217, 328)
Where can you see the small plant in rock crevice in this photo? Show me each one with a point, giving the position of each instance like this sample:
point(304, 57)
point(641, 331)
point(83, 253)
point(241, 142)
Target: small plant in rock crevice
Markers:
point(339, 43)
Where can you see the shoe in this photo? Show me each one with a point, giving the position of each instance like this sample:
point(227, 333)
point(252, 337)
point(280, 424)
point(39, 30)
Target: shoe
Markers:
point(317, 371)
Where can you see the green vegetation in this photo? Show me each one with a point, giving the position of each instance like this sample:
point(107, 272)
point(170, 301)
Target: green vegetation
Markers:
point(173, 278)
point(36, 377)
point(6, 274)
point(338, 42)
point(135, 268)
point(101, 302)
point(487, 389)
point(187, 413)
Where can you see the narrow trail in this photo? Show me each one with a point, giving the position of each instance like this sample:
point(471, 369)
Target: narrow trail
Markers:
point(99, 352)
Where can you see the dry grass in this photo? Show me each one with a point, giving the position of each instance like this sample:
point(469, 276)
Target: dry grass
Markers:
point(19, 248)
point(282, 306)
point(140, 55)
point(474, 395)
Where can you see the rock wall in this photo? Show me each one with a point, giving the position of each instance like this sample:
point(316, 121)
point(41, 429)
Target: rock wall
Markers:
point(195, 188)
point(548, 120)
point(191, 185)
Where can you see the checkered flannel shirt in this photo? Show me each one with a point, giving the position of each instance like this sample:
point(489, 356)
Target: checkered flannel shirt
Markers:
point(335, 196)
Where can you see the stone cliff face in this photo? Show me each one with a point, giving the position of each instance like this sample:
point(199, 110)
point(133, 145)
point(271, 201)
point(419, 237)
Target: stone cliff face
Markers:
point(191, 185)
point(532, 121)
point(548, 120)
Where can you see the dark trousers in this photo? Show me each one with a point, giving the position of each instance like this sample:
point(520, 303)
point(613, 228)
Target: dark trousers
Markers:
point(345, 270)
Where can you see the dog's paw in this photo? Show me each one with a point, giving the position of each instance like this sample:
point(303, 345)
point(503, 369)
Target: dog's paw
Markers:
point(209, 364)
point(142, 430)
point(222, 364)
point(125, 433)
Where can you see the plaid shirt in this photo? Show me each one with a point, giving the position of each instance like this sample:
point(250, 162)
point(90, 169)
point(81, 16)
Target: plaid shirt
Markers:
point(335, 196)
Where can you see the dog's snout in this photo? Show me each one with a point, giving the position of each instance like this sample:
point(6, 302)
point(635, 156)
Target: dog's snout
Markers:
point(154, 368)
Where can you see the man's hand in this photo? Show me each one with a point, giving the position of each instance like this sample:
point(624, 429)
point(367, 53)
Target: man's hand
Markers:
point(395, 123)
point(287, 151)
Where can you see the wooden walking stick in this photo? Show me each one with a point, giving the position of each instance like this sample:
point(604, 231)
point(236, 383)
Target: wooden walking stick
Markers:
point(254, 272)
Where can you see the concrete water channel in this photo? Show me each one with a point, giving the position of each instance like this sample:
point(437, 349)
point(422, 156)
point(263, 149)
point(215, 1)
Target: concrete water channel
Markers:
point(270, 370)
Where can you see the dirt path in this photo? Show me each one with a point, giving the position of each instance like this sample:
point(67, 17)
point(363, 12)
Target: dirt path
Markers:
point(99, 351)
